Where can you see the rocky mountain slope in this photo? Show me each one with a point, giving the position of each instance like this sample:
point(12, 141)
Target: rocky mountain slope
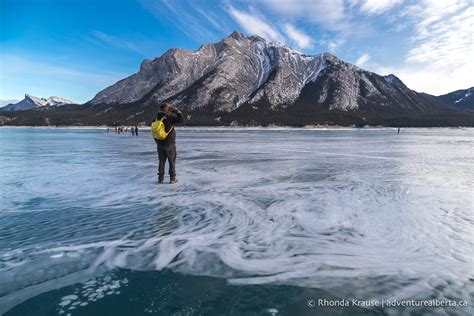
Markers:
point(460, 98)
point(240, 70)
point(32, 102)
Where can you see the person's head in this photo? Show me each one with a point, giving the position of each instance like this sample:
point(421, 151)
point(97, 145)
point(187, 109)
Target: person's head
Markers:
point(165, 107)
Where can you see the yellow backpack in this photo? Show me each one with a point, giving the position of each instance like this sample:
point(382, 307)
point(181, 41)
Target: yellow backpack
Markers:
point(158, 130)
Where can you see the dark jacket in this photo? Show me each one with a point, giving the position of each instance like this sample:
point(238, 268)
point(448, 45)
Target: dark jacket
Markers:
point(175, 117)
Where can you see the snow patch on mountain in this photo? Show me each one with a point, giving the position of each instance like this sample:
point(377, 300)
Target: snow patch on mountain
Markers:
point(31, 102)
point(465, 96)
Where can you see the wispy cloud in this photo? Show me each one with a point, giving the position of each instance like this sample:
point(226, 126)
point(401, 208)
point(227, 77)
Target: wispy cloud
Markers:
point(185, 17)
point(333, 44)
point(443, 33)
point(430, 79)
point(117, 41)
point(16, 65)
point(327, 13)
point(362, 60)
point(301, 39)
point(440, 57)
point(20, 67)
point(208, 16)
point(352, 3)
point(378, 6)
point(253, 23)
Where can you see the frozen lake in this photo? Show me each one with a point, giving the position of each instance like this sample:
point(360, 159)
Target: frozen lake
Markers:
point(354, 213)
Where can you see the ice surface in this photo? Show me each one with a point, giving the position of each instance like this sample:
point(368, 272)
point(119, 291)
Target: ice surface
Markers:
point(362, 213)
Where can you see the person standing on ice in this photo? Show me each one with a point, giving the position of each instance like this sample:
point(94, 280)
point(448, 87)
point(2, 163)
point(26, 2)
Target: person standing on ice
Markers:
point(165, 137)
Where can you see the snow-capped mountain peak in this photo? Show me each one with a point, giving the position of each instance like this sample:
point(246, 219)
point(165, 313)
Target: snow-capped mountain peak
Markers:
point(32, 102)
point(57, 101)
point(247, 70)
point(35, 100)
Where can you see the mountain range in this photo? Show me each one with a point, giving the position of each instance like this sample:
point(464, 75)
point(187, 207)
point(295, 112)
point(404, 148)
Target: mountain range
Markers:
point(32, 102)
point(6, 102)
point(245, 80)
point(460, 98)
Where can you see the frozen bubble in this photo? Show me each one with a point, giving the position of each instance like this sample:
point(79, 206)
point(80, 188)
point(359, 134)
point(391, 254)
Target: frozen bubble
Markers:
point(65, 303)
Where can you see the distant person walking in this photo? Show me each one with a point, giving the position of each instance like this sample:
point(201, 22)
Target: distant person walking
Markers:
point(398, 130)
point(136, 130)
point(133, 131)
point(165, 137)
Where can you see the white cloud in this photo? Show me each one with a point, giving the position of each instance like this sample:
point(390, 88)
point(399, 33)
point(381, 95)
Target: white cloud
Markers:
point(116, 41)
point(362, 60)
point(445, 41)
point(207, 16)
point(430, 79)
point(183, 16)
point(301, 39)
point(327, 13)
point(16, 70)
point(427, 12)
point(13, 65)
point(440, 59)
point(334, 45)
point(254, 24)
point(352, 3)
point(378, 6)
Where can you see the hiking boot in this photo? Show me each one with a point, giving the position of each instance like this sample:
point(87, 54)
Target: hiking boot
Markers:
point(173, 180)
point(161, 180)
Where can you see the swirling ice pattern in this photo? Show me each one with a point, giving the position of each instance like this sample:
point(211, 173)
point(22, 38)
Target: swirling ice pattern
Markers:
point(362, 213)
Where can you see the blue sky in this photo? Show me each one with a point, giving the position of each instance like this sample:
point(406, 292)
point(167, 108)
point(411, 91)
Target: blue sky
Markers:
point(74, 48)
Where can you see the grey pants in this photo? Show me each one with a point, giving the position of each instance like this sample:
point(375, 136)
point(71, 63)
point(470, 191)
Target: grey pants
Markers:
point(167, 153)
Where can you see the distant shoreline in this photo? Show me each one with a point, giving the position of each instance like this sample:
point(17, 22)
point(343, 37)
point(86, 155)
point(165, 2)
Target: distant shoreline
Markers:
point(246, 127)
